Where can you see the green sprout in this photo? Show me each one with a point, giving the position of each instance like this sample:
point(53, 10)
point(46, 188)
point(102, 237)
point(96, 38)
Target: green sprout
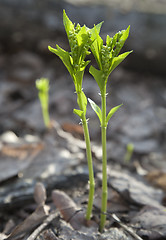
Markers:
point(107, 58)
point(129, 152)
point(42, 85)
point(80, 42)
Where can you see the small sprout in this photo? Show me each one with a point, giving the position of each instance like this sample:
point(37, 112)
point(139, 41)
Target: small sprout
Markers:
point(129, 152)
point(42, 85)
point(107, 59)
point(81, 40)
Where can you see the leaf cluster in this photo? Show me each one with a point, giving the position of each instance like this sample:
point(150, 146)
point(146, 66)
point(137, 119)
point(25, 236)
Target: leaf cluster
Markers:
point(106, 55)
point(81, 40)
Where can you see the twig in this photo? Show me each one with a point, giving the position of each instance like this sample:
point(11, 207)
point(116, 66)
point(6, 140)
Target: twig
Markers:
point(126, 228)
point(38, 230)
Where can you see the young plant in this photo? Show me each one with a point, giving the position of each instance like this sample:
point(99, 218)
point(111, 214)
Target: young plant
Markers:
point(129, 152)
point(80, 42)
point(107, 58)
point(42, 85)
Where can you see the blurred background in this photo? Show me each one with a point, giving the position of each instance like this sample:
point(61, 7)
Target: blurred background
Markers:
point(27, 27)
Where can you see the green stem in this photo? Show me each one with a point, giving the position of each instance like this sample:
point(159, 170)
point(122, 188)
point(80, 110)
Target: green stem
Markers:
point(46, 116)
point(89, 160)
point(44, 100)
point(104, 161)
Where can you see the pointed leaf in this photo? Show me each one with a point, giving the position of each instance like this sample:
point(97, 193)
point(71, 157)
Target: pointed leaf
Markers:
point(97, 43)
point(125, 34)
point(98, 76)
point(78, 112)
point(64, 56)
point(117, 60)
point(83, 103)
point(123, 38)
point(69, 26)
point(82, 36)
point(112, 111)
point(96, 108)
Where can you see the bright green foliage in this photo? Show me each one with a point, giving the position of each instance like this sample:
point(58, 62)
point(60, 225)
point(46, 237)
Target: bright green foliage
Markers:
point(80, 42)
point(78, 112)
point(96, 108)
point(112, 111)
point(107, 55)
point(42, 85)
point(108, 58)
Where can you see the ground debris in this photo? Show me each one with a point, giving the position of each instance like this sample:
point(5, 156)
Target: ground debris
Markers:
point(135, 189)
point(16, 153)
point(29, 223)
point(115, 234)
point(157, 178)
point(70, 211)
point(151, 222)
point(46, 235)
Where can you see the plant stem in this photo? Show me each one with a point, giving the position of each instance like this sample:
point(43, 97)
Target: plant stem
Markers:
point(104, 161)
point(46, 116)
point(89, 160)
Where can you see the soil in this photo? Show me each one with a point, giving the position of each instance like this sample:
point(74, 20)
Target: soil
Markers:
point(44, 174)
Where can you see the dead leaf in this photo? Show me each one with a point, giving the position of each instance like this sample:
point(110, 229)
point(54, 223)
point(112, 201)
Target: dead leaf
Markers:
point(69, 210)
point(17, 156)
point(40, 194)
point(74, 129)
point(30, 222)
point(152, 222)
point(157, 178)
point(135, 189)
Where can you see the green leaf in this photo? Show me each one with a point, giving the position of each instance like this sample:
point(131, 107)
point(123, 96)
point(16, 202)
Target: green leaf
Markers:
point(112, 111)
point(125, 34)
point(123, 38)
point(96, 108)
point(83, 103)
point(82, 36)
point(78, 80)
point(78, 112)
point(97, 43)
point(69, 26)
point(64, 56)
point(117, 60)
point(98, 76)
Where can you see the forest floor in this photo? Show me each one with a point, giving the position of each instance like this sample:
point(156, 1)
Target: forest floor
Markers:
point(34, 159)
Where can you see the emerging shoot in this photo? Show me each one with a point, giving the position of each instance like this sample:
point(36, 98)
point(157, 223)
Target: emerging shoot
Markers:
point(107, 58)
point(80, 42)
point(42, 85)
point(129, 152)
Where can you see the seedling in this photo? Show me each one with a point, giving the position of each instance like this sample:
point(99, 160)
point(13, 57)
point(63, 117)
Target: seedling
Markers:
point(42, 85)
point(129, 152)
point(107, 58)
point(80, 42)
